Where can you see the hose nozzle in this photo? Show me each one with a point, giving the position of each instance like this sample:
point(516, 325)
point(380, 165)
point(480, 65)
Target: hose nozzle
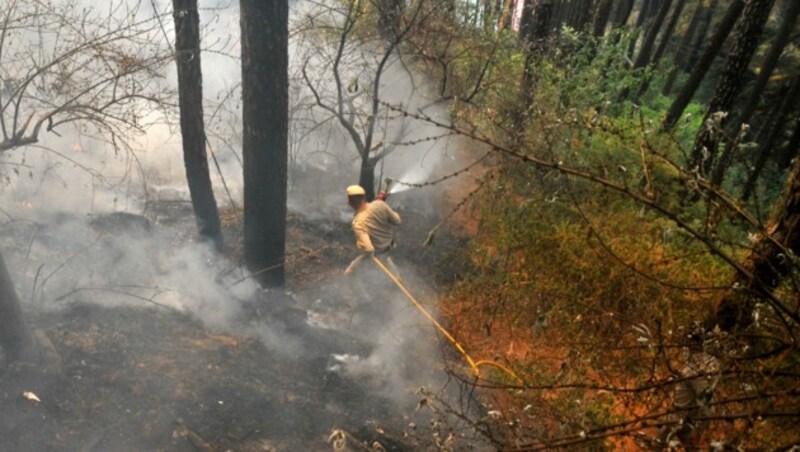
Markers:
point(388, 182)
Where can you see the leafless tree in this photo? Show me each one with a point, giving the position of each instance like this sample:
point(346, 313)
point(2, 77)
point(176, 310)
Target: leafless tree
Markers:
point(345, 72)
point(64, 64)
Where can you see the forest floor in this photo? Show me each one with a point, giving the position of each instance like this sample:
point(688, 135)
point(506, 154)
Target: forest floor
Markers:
point(152, 378)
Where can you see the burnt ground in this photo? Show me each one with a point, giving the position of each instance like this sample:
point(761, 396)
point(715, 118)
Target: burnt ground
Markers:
point(151, 378)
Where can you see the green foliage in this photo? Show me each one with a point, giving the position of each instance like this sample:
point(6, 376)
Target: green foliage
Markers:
point(595, 247)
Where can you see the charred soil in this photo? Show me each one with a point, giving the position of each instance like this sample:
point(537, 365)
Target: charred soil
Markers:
point(153, 378)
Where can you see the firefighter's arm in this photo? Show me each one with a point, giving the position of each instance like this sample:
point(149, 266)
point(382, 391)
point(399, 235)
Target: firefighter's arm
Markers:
point(394, 217)
point(363, 242)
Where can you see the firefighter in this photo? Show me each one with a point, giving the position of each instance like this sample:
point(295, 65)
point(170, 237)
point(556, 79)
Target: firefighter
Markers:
point(373, 226)
point(692, 397)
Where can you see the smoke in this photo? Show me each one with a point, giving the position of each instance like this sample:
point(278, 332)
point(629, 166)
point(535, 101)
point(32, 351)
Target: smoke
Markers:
point(86, 222)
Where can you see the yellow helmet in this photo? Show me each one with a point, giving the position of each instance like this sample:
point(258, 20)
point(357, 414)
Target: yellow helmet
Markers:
point(356, 190)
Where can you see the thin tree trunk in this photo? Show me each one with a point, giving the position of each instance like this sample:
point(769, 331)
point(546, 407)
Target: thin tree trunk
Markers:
point(666, 36)
point(265, 101)
point(390, 14)
point(534, 29)
point(790, 100)
point(488, 13)
point(583, 14)
point(701, 68)
point(190, 99)
point(623, 13)
point(645, 53)
point(681, 53)
point(602, 13)
point(767, 67)
point(555, 17)
point(792, 148)
point(771, 60)
point(15, 337)
point(640, 21)
point(766, 263)
point(748, 33)
point(506, 17)
point(366, 177)
point(700, 39)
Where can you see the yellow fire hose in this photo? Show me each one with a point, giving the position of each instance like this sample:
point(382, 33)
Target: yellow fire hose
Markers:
point(473, 364)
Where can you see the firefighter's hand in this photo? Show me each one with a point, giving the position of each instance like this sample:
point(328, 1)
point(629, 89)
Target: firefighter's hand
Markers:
point(382, 196)
point(353, 265)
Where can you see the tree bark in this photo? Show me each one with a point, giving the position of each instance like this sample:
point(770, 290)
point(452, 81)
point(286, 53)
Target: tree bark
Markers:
point(265, 101)
point(792, 148)
point(665, 38)
point(15, 337)
point(767, 67)
point(701, 68)
point(623, 13)
point(682, 52)
point(506, 17)
point(641, 18)
point(488, 13)
point(700, 39)
point(190, 100)
point(602, 13)
point(534, 29)
point(748, 33)
point(791, 99)
point(766, 263)
point(366, 177)
point(390, 14)
point(583, 14)
point(645, 53)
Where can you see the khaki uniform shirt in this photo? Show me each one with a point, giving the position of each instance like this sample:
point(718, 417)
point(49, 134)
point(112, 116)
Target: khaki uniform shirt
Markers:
point(372, 226)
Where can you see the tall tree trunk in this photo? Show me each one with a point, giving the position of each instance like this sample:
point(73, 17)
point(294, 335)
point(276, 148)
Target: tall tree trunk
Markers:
point(390, 14)
point(665, 38)
point(15, 337)
point(767, 263)
point(682, 52)
point(791, 99)
point(555, 17)
point(701, 68)
point(265, 101)
point(792, 148)
point(645, 53)
point(748, 33)
point(190, 99)
point(583, 14)
point(366, 177)
point(623, 13)
point(767, 67)
point(647, 46)
point(641, 19)
point(507, 16)
point(700, 39)
point(534, 30)
point(601, 15)
point(488, 13)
